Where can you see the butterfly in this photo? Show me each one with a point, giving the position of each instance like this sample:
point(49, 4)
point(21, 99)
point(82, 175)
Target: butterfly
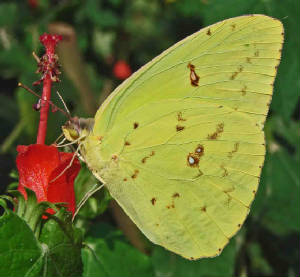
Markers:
point(180, 144)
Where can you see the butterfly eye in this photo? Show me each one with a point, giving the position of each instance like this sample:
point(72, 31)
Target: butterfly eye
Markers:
point(74, 134)
point(70, 133)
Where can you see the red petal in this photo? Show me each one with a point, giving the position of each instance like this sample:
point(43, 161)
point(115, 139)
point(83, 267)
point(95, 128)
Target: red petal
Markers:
point(62, 189)
point(35, 164)
point(50, 41)
point(39, 164)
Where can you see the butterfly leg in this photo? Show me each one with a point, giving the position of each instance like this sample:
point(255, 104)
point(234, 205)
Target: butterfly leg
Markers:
point(94, 189)
point(68, 166)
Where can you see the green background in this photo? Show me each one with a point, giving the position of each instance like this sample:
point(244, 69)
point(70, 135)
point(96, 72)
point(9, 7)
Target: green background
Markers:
point(99, 34)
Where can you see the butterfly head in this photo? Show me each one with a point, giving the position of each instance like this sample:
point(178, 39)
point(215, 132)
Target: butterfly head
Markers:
point(77, 128)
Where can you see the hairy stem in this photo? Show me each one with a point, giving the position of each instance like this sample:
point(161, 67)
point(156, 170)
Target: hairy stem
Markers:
point(48, 67)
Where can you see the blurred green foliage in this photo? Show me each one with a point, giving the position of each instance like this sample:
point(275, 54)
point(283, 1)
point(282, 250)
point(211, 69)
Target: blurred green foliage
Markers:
point(137, 31)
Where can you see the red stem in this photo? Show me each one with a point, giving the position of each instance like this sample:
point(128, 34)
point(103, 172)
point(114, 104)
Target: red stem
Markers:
point(48, 66)
point(46, 96)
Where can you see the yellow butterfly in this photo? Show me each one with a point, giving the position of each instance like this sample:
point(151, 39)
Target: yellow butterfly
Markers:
point(180, 144)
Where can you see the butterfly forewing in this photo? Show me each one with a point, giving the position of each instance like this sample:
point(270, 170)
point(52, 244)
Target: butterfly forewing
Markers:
point(180, 144)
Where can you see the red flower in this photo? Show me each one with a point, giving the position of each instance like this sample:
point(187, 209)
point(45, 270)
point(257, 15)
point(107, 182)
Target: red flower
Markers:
point(122, 70)
point(38, 165)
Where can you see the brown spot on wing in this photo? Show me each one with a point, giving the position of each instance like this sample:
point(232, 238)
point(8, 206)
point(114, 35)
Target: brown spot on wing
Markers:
point(232, 77)
point(217, 133)
point(194, 78)
point(170, 206)
point(179, 117)
point(147, 157)
point(127, 143)
point(225, 173)
point(244, 90)
point(208, 32)
point(232, 27)
point(114, 157)
point(144, 159)
point(153, 201)
point(135, 174)
point(192, 160)
point(199, 150)
point(235, 149)
point(240, 69)
point(203, 209)
point(135, 125)
point(176, 194)
point(179, 128)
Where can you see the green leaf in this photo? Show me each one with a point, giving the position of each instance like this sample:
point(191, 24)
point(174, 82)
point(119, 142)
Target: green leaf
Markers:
point(108, 19)
point(108, 254)
point(8, 14)
point(259, 262)
point(282, 209)
point(168, 264)
point(20, 252)
point(63, 247)
point(277, 201)
point(56, 253)
point(27, 114)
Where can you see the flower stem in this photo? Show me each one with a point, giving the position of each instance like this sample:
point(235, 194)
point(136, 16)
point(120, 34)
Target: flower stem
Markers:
point(48, 66)
point(46, 96)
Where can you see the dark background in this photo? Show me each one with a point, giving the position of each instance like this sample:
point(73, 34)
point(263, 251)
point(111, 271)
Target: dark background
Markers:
point(97, 35)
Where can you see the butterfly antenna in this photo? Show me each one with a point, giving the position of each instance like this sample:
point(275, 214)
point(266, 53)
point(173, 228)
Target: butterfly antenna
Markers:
point(58, 138)
point(50, 102)
point(69, 143)
point(64, 103)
